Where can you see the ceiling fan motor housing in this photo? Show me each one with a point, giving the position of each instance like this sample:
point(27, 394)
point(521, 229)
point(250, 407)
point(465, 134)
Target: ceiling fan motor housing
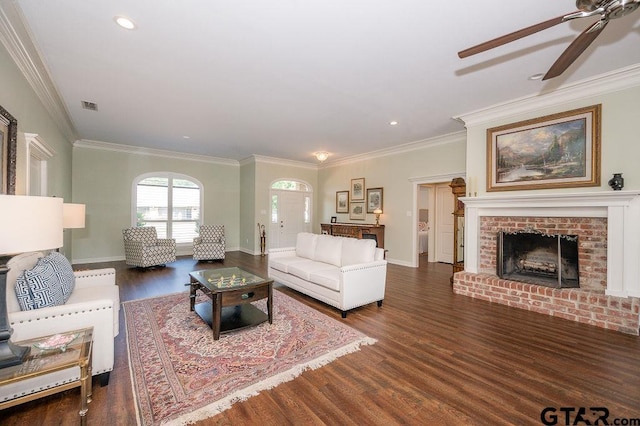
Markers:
point(621, 8)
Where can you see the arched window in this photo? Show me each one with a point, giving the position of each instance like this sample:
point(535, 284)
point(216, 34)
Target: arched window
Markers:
point(169, 202)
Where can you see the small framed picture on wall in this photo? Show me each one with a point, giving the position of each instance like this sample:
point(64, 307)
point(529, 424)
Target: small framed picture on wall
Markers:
point(356, 211)
point(342, 201)
point(374, 199)
point(357, 189)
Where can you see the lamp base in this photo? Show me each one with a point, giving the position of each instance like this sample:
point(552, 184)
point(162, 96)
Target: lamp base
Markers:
point(11, 354)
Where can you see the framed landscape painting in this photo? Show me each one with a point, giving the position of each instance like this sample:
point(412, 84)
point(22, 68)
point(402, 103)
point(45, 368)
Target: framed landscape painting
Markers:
point(342, 201)
point(556, 151)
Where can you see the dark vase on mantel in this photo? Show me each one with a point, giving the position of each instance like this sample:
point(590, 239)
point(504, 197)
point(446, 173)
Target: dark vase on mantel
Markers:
point(616, 182)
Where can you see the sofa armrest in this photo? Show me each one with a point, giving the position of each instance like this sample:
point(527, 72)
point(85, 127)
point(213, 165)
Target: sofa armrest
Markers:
point(166, 242)
point(363, 283)
point(59, 311)
point(95, 277)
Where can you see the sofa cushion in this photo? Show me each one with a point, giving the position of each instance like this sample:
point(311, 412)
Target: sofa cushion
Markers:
point(282, 263)
point(357, 251)
point(49, 283)
point(328, 250)
point(306, 268)
point(306, 245)
point(329, 278)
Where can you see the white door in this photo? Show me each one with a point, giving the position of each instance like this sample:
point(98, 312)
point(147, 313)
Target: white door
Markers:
point(292, 216)
point(444, 224)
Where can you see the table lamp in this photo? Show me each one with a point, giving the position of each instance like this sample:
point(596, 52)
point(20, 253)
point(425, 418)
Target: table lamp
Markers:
point(73, 216)
point(26, 224)
point(377, 212)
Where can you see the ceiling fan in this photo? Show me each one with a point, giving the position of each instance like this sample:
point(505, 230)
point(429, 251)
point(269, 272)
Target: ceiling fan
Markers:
point(606, 9)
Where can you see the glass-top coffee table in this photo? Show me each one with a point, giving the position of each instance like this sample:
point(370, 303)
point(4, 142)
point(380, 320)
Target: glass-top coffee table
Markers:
point(231, 290)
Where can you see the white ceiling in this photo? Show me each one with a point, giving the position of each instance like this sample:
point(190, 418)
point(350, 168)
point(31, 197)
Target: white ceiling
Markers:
point(286, 78)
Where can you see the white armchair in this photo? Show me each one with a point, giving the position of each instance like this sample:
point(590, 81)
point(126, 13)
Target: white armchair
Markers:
point(210, 244)
point(94, 302)
point(143, 248)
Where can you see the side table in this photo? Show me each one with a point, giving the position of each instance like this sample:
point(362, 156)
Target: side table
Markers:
point(50, 354)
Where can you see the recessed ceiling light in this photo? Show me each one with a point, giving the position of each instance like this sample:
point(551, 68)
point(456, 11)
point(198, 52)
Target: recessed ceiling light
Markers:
point(537, 76)
point(393, 123)
point(186, 137)
point(125, 22)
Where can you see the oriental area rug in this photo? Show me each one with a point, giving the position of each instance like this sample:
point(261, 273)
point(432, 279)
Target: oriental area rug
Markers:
point(180, 375)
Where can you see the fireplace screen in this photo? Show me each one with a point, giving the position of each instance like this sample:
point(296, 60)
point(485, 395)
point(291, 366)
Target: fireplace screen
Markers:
point(534, 258)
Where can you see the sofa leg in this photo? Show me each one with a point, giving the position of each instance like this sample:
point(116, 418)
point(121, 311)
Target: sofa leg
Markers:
point(379, 303)
point(104, 378)
point(344, 314)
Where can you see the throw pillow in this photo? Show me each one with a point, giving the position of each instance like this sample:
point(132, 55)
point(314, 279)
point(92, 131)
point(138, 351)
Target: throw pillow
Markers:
point(64, 272)
point(25, 300)
point(49, 283)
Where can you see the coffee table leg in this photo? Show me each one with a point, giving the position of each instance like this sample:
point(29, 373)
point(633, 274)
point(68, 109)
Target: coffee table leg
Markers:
point(216, 313)
point(192, 296)
point(85, 391)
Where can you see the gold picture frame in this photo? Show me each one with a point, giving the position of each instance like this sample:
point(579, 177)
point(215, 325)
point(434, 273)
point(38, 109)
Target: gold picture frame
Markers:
point(8, 148)
point(555, 151)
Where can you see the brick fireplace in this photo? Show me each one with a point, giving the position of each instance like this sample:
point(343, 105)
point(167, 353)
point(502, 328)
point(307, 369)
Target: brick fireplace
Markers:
point(607, 226)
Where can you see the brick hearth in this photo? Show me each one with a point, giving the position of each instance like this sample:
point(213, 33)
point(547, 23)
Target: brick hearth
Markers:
point(593, 303)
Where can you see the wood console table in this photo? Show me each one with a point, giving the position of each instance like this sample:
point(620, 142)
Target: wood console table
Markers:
point(355, 230)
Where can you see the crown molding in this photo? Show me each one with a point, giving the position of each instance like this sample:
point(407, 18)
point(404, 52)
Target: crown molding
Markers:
point(277, 161)
point(17, 39)
point(455, 137)
point(613, 81)
point(114, 147)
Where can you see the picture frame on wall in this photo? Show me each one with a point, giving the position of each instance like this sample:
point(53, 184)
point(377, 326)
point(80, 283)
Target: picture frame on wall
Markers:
point(556, 151)
point(342, 201)
point(357, 189)
point(8, 149)
point(357, 211)
point(374, 199)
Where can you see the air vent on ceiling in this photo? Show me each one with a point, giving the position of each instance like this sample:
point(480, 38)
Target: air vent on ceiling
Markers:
point(92, 106)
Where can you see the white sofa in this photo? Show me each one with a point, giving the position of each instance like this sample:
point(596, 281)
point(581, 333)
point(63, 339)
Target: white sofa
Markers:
point(94, 302)
point(342, 272)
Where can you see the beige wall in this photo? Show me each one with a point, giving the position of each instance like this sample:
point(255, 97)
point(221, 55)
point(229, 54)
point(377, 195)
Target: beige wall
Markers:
point(267, 171)
point(395, 173)
point(620, 147)
point(21, 101)
point(103, 181)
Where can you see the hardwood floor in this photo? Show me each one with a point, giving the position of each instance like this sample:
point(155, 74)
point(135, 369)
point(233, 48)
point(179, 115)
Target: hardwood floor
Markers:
point(440, 359)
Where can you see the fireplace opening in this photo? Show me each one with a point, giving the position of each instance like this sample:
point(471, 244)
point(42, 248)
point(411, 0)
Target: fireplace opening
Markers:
point(535, 258)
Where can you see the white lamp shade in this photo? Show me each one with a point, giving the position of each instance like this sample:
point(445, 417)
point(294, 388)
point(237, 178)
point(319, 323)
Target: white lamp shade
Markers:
point(72, 215)
point(30, 223)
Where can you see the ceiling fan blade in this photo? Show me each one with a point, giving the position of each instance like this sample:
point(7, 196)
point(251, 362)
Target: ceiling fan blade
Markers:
point(508, 38)
point(575, 49)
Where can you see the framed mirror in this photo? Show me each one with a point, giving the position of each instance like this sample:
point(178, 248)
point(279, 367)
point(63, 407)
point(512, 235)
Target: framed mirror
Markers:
point(8, 147)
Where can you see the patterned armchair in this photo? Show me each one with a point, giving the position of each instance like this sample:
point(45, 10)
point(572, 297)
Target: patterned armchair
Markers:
point(143, 248)
point(210, 244)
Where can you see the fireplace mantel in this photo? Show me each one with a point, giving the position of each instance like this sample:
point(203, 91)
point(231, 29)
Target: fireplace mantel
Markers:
point(621, 208)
